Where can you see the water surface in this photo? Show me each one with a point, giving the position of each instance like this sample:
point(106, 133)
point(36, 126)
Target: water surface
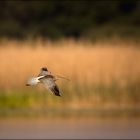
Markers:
point(69, 129)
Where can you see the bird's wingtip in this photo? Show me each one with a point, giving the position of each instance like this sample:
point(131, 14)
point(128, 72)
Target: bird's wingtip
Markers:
point(27, 85)
point(58, 95)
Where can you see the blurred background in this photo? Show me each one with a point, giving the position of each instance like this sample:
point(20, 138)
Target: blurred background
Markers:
point(93, 43)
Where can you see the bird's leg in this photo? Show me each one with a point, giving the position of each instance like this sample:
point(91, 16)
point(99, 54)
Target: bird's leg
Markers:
point(57, 77)
point(49, 72)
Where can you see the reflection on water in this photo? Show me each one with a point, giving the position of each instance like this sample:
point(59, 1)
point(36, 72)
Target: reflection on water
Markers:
point(56, 129)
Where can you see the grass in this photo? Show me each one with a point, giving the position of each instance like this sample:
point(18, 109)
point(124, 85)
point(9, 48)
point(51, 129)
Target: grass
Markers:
point(103, 75)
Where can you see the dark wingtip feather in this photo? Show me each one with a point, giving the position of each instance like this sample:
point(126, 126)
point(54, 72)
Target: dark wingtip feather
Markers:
point(55, 90)
point(27, 85)
point(58, 95)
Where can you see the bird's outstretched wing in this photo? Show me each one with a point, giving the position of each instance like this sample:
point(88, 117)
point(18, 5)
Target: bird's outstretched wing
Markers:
point(50, 84)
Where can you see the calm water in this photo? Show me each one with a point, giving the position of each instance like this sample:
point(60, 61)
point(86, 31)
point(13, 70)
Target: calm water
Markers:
point(69, 129)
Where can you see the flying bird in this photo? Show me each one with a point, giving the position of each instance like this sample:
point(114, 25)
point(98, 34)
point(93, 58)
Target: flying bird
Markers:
point(47, 79)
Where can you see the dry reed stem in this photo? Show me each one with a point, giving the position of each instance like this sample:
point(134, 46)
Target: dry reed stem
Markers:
point(81, 62)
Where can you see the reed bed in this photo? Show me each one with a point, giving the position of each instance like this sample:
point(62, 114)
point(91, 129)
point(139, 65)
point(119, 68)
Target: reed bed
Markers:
point(101, 74)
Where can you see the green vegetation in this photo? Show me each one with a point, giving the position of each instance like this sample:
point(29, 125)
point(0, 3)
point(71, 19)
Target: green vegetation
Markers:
point(79, 100)
point(57, 19)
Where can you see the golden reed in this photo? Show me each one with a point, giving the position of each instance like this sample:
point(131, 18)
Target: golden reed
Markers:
point(81, 62)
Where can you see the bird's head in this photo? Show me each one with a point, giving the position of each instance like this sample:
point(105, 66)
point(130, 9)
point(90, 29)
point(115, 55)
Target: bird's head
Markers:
point(44, 69)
